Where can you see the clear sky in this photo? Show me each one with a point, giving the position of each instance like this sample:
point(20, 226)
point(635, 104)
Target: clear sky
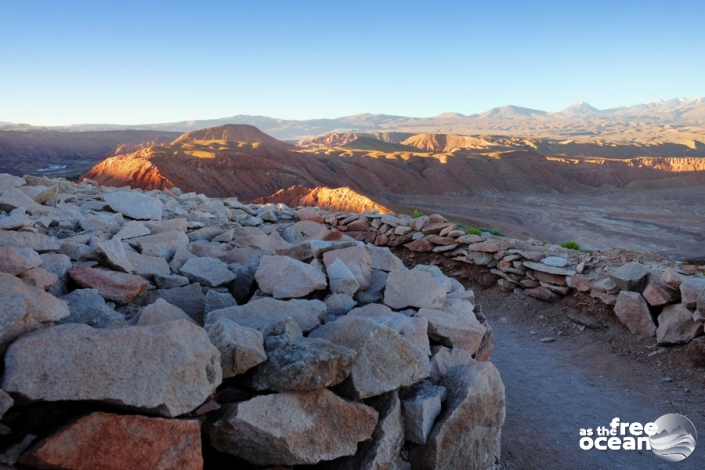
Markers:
point(131, 62)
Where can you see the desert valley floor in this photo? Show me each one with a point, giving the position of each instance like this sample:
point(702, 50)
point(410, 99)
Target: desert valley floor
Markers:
point(670, 222)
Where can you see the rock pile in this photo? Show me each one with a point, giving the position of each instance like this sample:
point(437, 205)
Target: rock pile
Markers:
point(139, 328)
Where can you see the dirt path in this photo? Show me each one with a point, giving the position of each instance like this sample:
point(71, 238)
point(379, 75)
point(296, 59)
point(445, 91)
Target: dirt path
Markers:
point(579, 381)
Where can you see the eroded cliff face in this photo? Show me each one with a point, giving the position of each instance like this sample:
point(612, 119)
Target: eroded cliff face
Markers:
point(214, 162)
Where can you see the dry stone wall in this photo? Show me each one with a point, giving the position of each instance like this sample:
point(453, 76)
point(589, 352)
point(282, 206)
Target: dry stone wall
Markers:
point(654, 297)
point(141, 328)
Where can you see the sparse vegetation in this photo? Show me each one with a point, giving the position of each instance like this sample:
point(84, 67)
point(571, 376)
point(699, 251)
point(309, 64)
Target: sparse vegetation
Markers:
point(570, 245)
point(417, 214)
point(492, 231)
point(478, 231)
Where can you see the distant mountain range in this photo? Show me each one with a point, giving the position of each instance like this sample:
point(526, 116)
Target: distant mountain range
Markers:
point(510, 120)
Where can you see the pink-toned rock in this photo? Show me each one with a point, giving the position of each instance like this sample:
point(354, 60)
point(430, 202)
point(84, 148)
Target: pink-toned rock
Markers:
point(453, 330)
point(467, 432)
point(39, 278)
point(292, 428)
point(358, 261)
point(690, 290)
point(438, 240)
point(695, 352)
point(422, 245)
point(470, 239)
point(672, 278)
point(658, 293)
point(120, 442)
point(414, 288)
point(492, 245)
point(633, 311)
point(607, 299)
point(578, 283)
point(111, 285)
point(434, 227)
point(542, 293)
point(28, 309)
point(528, 283)
point(555, 279)
point(310, 214)
point(484, 352)
point(16, 260)
point(676, 325)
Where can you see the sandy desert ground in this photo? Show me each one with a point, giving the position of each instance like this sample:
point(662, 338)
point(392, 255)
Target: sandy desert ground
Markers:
point(670, 222)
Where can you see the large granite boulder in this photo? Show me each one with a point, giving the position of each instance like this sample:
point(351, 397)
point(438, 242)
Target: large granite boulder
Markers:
point(135, 205)
point(167, 369)
point(467, 432)
point(385, 360)
point(633, 311)
point(414, 289)
point(291, 428)
point(285, 278)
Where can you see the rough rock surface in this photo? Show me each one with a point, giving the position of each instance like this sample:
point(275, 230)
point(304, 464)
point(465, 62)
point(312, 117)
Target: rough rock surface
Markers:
point(117, 442)
point(207, 271)
point(358, 261)
point(383, 451)
point(258, 314)
point(453, 331)
point(421, 405)
point(413, 289)
point(292, 428)
point(467, 432)
point(286, 278)
point(633, 311)
point(658, 293)
point(77, 362)
point(161, 311)
point(89, 308)
point(295, 363)
point(629, 276)
point(342, 280)
point(385, 360)
point(241, 348)
point(134, 205)
point(112, 285)
point(676, 325)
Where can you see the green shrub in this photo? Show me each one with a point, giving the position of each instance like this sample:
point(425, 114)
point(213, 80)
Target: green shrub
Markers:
point(492, 231)
point(417, 214)
point(570, 245)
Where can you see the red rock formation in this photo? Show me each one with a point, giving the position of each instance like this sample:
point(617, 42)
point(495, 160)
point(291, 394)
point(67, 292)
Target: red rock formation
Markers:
point(339, 199)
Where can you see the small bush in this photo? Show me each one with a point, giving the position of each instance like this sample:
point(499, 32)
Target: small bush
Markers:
point(468, 229)
point(417, 214)
point(570, 246)
point(492, 231)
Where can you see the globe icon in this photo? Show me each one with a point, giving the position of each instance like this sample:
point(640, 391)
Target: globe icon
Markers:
point(675, 439)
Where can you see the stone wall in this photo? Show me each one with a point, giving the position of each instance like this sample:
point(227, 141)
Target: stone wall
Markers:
point(141, 328)
point(654, 297)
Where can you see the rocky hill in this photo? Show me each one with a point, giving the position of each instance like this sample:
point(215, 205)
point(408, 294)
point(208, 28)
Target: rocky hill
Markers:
point(338, 199)
point(232, 133)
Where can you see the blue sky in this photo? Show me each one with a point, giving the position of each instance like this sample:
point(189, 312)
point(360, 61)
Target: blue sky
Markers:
point(135, 62)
